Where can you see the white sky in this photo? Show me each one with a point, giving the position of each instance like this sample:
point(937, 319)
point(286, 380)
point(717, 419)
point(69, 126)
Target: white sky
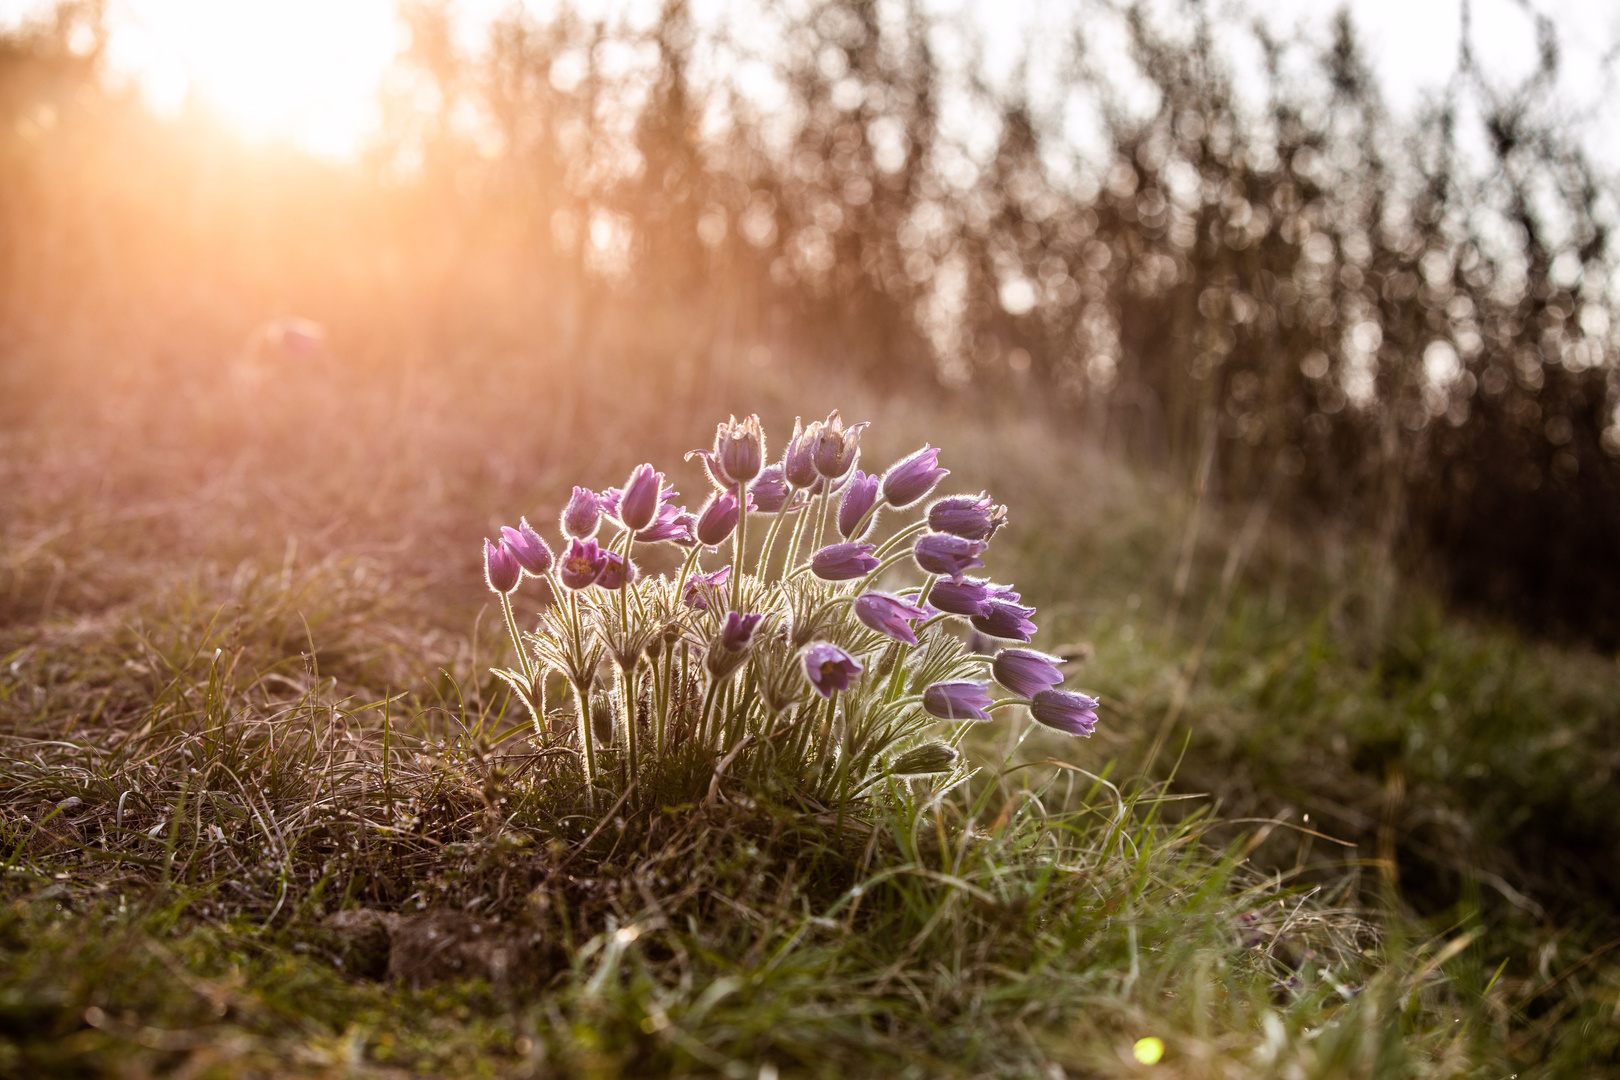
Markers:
point(307, 70)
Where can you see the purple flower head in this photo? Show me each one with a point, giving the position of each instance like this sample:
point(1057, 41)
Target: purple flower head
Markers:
point(738, 631)
point(583, 564)
point(699, 586)
point(770, 490)
point(911, 478)
point(972, 517)
point(582, 514)
point(1026, 672)
point(947, 555)
point(501, 570)
point(957, 700)
point(718, 519)
point(671, 523)
point(639, 502)
point(840, 562)
point(1065, 711)
point(829, 668)
point(859, 498)
point(888, 615)
point(527, 547)
point(739, 448)
point(616, 572)
point(1007, 620)
point(836, 447)
point(799, 460)
point(967, 597)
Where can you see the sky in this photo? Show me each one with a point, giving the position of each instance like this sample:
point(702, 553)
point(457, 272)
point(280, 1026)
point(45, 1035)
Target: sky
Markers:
point(307, 71)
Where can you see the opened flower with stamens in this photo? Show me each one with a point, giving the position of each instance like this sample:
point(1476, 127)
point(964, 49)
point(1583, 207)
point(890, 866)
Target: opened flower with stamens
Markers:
point(829, 668)
point(583, 564)
point(616, 572)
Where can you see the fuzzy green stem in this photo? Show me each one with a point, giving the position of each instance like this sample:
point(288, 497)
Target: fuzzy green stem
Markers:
point(739, 548)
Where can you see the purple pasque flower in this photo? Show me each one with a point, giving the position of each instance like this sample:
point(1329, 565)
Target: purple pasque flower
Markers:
point(501, 569)
point(829, 668)
point(770, 490)
point(671, 523)
point(1065, 711)
point(528, 548)
point(972, 517)
point(738, 631)
point(1026, 672)
point(957, 700)
point(888, 615)
point(835, 446)
point(617, 572)
point(639, 501)
point(739, 449)
point(967, 597)
point(582, 515)
point(1006, 619)
point(947, 555)
point(699, 586)
point(718, 518)
point(799, 460)
point(860, 495)
point(910, 479)
point(841, 562)
point(582, 564)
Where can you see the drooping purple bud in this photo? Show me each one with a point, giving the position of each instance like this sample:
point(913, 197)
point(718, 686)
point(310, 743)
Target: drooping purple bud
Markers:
point(608, 500)
point(527, 546)
point(1065, 711)
point(1007, 620)
point(947, 555)
point(501, 570)
point(770, 490)
point(799, 461)
point(718, 519)
point(841, 562)
point(1026, 672)
point(616, 572)
point(888, 615)
point(739, 446)
point(859, 498)
point(836, 447)
point(672, 523)
point(957, 700)
point(972, 517)
point(910, 479)
point(583, 564)
point(738, 631)
point(582, 515)
point(967, 597)
point(829, 668)
point(700, 586)
point(639, 503)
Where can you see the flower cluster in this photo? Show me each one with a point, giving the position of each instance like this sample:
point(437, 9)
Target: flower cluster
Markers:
point(831, 663)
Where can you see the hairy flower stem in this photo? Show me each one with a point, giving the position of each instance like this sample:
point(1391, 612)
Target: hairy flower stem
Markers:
point(798, 533)
point(632, 737)
point(821, 522)
point(703, 718)
point(739, 548)
point(517, 639)
point(762, 568)
point(900, 537)
point(897, 681)
point(582, 707)
point(661, 716)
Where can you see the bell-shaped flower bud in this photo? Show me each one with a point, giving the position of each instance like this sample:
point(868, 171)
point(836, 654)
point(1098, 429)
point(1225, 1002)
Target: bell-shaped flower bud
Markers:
point(718, 519)
point(929, 759)
point(967, 597)
point(582, 564)
point(1026, 672)
point(501, 569)
point(859, 497)
point(639, 502)
point(912, 478)
point(1065, 711)
point(888, 615)
point(770, 490)
point(527, 546)
point(582, 515)
point(972, 517)
point(947, 555)
point(739, 447)
point(829, 668)
point(1006, 619)
point(799, 460)
point(841, 562)
point(738, 631)
point(957, 700)
point(836, 447)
